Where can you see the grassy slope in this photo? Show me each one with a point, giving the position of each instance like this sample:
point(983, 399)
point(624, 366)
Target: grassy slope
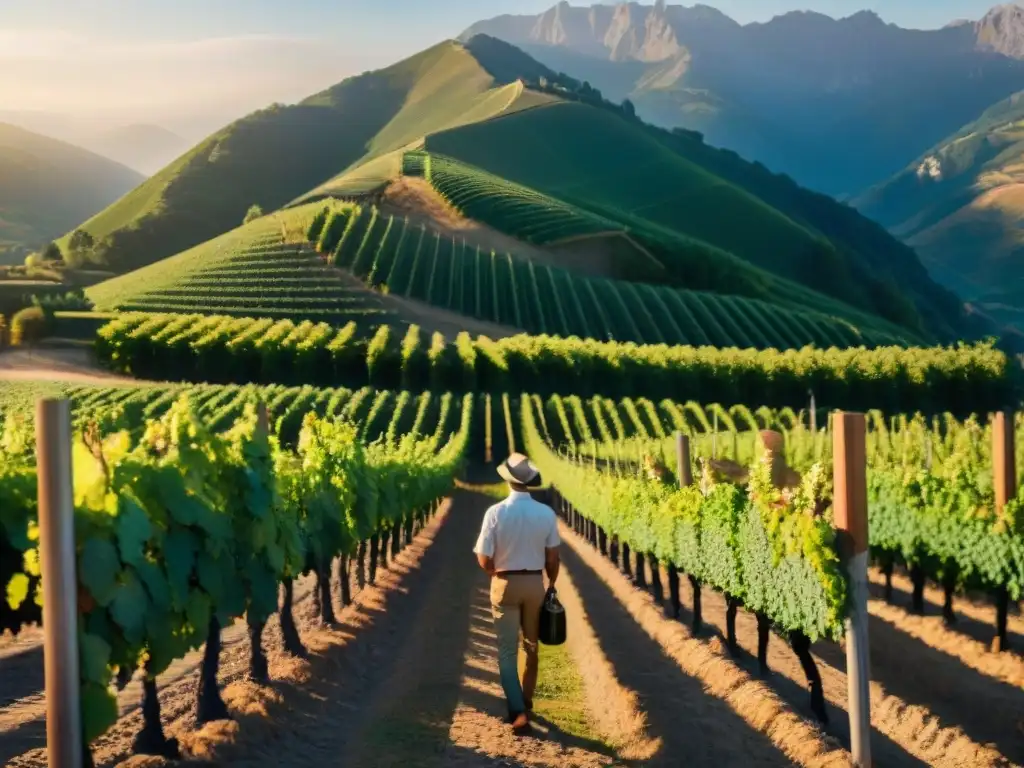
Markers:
point(600, 161)
point(678, 260)
point(594, 158)
point(47, 186)
point(438, 103)
point(277, 154)
point(961, 205)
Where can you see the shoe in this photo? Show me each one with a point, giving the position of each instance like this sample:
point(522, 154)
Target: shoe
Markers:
point(521, 724)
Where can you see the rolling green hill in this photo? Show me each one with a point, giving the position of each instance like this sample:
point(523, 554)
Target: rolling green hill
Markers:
point(47, 186)
point(275, 155)
point(961, 206)
point(713, 221)
point(652, 180)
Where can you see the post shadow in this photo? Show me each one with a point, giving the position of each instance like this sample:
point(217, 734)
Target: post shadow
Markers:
point(642, 666)
point(982, 631)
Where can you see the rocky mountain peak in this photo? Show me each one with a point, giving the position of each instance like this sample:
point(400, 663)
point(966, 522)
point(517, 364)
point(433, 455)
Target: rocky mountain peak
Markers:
point(1002, 31)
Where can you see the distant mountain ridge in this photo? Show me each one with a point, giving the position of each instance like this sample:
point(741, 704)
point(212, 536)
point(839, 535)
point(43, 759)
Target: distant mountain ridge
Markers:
point(961, 206)
point(146, 148)
point(654, 33)
point(796, 92)
point(143, 147)
point(48, 186)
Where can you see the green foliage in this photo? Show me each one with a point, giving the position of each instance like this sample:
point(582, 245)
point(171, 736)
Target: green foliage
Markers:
point(52, 252)
point(962, 379)
point(393, 254)
point(943, 519)
point(79, 247)
point(254, 212)
point(930, 497)
point(176, 522)
point(757, 545)
point(28, 326)
point(316, 226)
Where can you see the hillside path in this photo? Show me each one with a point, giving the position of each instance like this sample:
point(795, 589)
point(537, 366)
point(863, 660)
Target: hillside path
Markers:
point(71, 365)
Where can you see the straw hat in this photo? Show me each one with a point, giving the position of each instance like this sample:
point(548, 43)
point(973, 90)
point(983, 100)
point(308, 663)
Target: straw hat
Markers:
point(518, 469)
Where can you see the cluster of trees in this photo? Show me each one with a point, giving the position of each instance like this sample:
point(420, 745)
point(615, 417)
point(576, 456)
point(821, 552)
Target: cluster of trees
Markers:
point(81, 250)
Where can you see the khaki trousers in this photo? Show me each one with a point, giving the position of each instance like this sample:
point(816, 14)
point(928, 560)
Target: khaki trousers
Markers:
point(516, 602)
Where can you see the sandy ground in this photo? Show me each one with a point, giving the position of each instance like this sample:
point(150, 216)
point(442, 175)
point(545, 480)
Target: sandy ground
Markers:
point(408, 677)
point(925, 700)
point(70, 364)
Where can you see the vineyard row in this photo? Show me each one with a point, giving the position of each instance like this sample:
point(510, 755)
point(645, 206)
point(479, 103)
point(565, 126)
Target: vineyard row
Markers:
point(963, 380)
point(406, 259)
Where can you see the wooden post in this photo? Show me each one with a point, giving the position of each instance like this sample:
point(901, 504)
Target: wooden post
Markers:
point(60, 584)
point(684, 474)
point(714, 438)
point(684, 467)
point(851, 520)
point(263, 417)
point(1004, 470)
point(813, 413)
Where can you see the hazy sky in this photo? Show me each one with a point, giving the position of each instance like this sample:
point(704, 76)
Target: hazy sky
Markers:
point(192, 64)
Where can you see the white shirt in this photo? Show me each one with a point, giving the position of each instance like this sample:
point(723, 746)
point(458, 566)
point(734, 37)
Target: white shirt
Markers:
point(516, 531)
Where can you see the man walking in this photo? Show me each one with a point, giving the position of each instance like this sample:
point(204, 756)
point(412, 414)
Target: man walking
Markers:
point(518, 542)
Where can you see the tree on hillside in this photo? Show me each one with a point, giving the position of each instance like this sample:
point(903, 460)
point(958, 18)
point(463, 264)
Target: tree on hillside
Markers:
point(52, 252)
point(252, 214)
point(80, 246)
point(628, 109)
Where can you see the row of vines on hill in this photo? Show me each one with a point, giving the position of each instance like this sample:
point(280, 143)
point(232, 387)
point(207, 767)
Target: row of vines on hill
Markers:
point(225, 349)
point(180, 529)
point(261, 275)
point(930, 481)
point(765, 550)
point(529, 215)
point(407, 259)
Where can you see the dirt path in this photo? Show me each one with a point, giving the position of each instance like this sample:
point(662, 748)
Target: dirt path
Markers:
point(408, 677)
point(975, 614)
point(73, 365)
point(405, 676)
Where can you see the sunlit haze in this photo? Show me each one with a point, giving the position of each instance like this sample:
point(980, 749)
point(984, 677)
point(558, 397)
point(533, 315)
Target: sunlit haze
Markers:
point(195, 65)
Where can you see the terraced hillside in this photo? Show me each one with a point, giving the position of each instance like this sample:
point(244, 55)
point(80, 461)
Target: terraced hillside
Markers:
point(411, 260)
point(711, 219)
point(249, 271)
point(638, 252)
